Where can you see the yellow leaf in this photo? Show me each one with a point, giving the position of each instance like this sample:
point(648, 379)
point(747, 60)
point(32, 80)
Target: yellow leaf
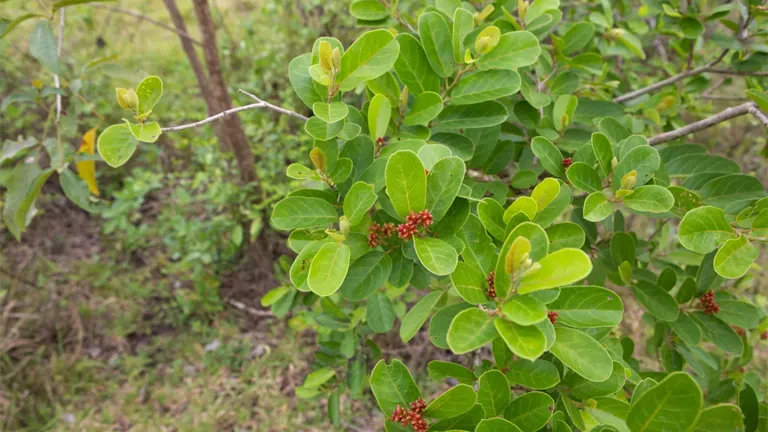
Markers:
point(87, 169)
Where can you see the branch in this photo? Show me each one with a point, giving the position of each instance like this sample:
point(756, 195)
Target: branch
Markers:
point(727, 114)
point(59, 44)
point(259, 104)
point(671, 80)
point(141, 16)
point(739, 73)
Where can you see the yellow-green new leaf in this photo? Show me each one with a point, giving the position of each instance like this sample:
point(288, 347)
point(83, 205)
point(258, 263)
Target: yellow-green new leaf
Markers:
point(329, 268)
point(372, 55)
point(735, 257)
point(559, 268)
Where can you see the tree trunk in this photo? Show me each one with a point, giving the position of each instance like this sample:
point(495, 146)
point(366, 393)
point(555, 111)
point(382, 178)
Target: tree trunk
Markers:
point(234, 129)
point(212, 105)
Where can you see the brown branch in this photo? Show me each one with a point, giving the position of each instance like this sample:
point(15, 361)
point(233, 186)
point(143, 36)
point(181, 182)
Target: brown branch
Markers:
point(727, 114)
point(143, 17)
point(738, 73)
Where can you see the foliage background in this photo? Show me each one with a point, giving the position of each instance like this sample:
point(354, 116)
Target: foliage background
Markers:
point(138, 319)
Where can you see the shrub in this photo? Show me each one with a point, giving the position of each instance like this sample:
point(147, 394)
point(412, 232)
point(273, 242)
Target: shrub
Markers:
point(485, 183)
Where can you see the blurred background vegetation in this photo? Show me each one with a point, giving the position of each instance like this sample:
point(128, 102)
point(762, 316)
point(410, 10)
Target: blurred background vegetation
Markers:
point(145, 317)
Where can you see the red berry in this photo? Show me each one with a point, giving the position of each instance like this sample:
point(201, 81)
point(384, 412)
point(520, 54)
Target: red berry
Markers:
point(491, 285)
point(567, 162)
point(764, 335)
point(707, 301)
point(552, 315)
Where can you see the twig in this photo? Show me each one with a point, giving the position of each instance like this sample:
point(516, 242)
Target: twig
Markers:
point(249, 309)
point(722, 98)
point(259, 104)
point(148, 19)
point(739, 73)
point(671, 80)
point(59, 43)
point(727, 114)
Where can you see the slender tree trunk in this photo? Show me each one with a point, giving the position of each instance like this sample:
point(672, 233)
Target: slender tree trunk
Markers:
point(212, 105)
point(234, 128)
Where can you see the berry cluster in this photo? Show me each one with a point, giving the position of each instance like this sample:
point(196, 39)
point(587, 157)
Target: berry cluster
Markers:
point(739, 331)
point(567, 162)
point(552, 315)
point(377, 233)
point(764, 335)
point(412, 416)
point(492, 284)
point(707, 301)
point(412, 223)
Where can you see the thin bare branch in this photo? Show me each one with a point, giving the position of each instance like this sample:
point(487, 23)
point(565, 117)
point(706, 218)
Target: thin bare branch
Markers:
point(727, 114)
point(59, 44)
point(671, 80)
point(738, 73)
point(141, 16)
point(259, 104)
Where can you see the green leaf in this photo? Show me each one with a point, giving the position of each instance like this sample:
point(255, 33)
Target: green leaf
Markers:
point(332, 112)
point(527, 342)
point(584, 177)
point(301, 81)
point(656, 300)
point(577, 37)
point(440, 370)
point(358, 201)
point(443, 183)
point(406, 183)
point(436, 38)
point(719, 333)
point(754, 412)
point(735, 257)
point(645, 160)
point(650, 198)
point(42, 46)
point(379, 314)
point(531, 411)
point(393, 385)
point(687, 329)
point(588, 307)
point(496, 425)
point(739, 313)
point(369, 10)
point(584, 355)
point(545, 193)
point(722, 417)
point(732, 193)
point(117, 144)
point(463, 24)
point(484, 114)
point(673, 405)
point(441, 322)
point(480, 250)
point(603, 150)
point(470, 330)
point(24, 185)
point(366, 275)
point(524, 310)
point(537, 374)
point(559, 268)
point(76, 189)
point(703, 229)
point(149, 91)
point(413, 68)
point(469, 283)
point(583, 389)
point(372, 55)
point(526, 205)
point(485, 86)
point(318, 377)
point(632, 43)
point(758, 97)
point(491, 213)
point(539, 248)
point(379, 113)
point(320, 130)
point(16, 21)
point(549, 155)
point(417, 316)
point(564, 110)
point(691, 27)
point(296, 212)
point(147, 132)
point(597, 207)
point(425, 108)
point(454, 402)
point(493, 393)
point(437, 256)
point(328, 269)
point(515, 50)
point(565, 235)
point(611, 413)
